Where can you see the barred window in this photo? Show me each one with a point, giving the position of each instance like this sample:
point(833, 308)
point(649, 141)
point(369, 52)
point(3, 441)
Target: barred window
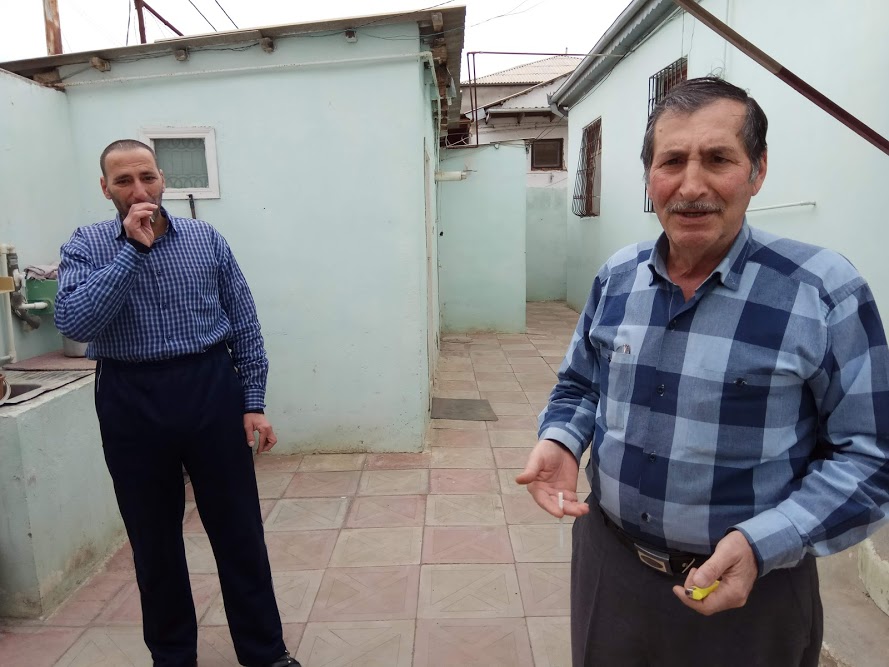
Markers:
point(588, 182)
point(187, 156)
point(546, 154)
point(658, 86)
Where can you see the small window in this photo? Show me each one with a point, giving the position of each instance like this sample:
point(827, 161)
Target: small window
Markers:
point(546, 154)
point(187, 156)
point(588, 182)
point(658, 86)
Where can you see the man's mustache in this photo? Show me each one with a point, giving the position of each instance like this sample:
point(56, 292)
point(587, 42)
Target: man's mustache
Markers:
point(694, 206)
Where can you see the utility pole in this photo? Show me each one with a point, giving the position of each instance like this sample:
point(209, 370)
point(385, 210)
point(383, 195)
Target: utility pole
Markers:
point(53, 27)
point(140, 5)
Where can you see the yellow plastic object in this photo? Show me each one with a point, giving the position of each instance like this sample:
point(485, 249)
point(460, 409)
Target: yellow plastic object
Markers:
point(696, 593)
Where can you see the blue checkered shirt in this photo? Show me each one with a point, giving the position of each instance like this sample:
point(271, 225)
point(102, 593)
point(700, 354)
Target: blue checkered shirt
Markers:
point(183, 297)
point(761, 404)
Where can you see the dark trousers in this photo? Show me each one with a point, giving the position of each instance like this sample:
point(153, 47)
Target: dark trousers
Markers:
point(625, 614)
point(154, 418)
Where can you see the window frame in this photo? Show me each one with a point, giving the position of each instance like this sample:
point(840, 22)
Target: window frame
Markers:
point(208, 134)
point(659, 84)
point(561, 161)
point(587, 198)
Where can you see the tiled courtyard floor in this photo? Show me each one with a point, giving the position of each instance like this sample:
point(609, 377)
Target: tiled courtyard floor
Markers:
point(432, 559)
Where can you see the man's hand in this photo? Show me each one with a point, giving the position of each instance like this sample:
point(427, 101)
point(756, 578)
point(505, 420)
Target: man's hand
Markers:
point(137, 224)
point(552, 468)
point(253, 422)
point(734, 564)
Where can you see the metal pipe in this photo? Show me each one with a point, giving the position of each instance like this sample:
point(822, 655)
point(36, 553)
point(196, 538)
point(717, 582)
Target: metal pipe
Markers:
point(138, 5)
point(162, 19)
point(423, 55)
point(53, 27)
point(7, 306)
point(36, 305)
point(769, 208)
point(788, 77)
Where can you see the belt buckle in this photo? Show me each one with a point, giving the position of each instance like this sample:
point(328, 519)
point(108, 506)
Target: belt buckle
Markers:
point(654, 559)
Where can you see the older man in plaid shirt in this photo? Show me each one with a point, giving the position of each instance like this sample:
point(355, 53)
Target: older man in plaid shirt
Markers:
point(734, 389)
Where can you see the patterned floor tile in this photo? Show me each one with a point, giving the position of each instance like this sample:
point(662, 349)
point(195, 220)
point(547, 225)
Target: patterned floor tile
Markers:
point(294, 591)
point(501, 642)
point(546, 588)
point(332, 462)
point(384, 511)
point(270, 462)
point(449, 457)
point(316, 484)
point(308, 514)
point(107, 647)
point(464, 510)
point(451, 480)
point(368, 594)
point(126, 607)
point(456, 385)
point(508, 485)
point(481, 367)
point(458, 438)
point(25, 646)
point(393, 482)
point(272, 484)
point(397, 461)
point(215, 644)
point(511, 457)
point(90, 599)
point(469, 591)
point(369, 547)
point(521, 508)
point(459, 424)
point(122, 561)
point(467, 544)
point(499, 385)
point(541, 544)
point(514, 424)
point(550, 641)
point(300, 550)
point(193, 523)
point(453, 393)
point(505, 396)
point(357, 644)
point(527, 438)
point(199, 553)
point(512, 410)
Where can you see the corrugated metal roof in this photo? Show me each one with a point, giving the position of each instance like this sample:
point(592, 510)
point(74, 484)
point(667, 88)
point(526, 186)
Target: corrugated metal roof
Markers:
point(536, 72)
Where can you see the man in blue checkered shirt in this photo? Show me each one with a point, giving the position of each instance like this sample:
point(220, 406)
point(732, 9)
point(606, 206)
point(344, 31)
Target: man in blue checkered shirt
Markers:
point(733, 388)
point(180, 380)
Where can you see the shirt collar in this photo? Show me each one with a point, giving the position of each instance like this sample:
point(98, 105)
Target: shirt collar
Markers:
point(728, 271)
point(170, 226)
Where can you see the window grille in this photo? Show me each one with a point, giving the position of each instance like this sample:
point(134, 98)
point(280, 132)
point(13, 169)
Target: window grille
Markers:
point(588, 182)
point(658, 86)
point(546, 154)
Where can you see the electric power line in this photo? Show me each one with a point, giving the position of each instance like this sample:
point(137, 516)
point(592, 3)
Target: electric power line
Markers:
point(129, 19)
point(202, 14)
point(226, 15)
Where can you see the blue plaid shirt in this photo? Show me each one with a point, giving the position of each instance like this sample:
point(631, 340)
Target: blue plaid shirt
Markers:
point(761, 404)
point(184, 296)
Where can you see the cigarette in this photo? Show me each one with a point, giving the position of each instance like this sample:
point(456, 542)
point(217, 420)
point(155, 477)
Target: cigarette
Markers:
point(561, 521)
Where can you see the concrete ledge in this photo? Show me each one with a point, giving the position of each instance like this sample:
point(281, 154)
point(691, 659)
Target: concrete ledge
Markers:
point(873, 567)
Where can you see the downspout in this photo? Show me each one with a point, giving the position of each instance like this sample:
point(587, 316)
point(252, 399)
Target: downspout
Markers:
point(7, 308)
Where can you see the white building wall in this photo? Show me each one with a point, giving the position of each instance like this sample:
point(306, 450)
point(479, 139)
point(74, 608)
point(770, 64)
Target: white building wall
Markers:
point(839, 49)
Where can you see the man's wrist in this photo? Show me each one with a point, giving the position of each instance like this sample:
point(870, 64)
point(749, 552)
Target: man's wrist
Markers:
point(138, 245)
point(254, 411)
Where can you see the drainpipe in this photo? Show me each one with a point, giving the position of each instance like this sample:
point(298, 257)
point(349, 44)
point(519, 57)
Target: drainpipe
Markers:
point(7, 307)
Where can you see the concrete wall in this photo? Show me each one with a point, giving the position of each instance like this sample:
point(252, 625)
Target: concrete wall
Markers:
point(546, 264)
point(482, 246)
point(322, 201)
point(811, 155)
point(39, 190)
point(58, 514)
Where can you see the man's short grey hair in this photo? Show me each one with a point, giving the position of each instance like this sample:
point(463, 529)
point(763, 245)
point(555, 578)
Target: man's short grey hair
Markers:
point(124, 145)
point(694, 94)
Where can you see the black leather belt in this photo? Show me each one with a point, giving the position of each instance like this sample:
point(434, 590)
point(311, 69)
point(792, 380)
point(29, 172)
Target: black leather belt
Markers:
point(667, 561)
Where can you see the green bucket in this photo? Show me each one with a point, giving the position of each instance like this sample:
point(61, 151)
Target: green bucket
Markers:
point(42, 290)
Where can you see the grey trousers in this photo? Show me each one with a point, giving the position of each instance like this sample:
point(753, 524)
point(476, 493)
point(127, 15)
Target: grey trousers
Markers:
point(624, 614)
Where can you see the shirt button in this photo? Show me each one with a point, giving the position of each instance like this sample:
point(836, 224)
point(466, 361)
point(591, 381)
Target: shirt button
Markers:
point(672, 324)
point(661, 389)
point(652, 457)
point(158, 272)
point(646, 517)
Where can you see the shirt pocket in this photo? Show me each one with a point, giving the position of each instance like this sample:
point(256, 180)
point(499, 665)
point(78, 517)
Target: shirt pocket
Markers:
point(620, 376)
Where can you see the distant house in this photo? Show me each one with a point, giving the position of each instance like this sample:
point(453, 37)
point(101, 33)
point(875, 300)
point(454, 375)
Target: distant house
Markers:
point(825, 184)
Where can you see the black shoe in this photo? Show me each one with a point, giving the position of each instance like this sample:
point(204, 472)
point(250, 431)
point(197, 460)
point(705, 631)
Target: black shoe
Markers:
point(285, 660)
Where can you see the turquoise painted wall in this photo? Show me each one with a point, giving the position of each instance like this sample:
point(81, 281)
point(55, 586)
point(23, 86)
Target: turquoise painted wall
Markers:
point(39, 190)
point(547, 244)
point(321, 177)
point(59, 514)
point(811, 155)
point(482, 246)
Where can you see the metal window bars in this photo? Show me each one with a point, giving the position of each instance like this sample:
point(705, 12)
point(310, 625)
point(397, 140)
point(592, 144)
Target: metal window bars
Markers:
point(658, 86)
point(588, 182)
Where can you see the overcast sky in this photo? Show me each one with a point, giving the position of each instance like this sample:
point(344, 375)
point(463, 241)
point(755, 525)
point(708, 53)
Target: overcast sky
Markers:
point(552, 26)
